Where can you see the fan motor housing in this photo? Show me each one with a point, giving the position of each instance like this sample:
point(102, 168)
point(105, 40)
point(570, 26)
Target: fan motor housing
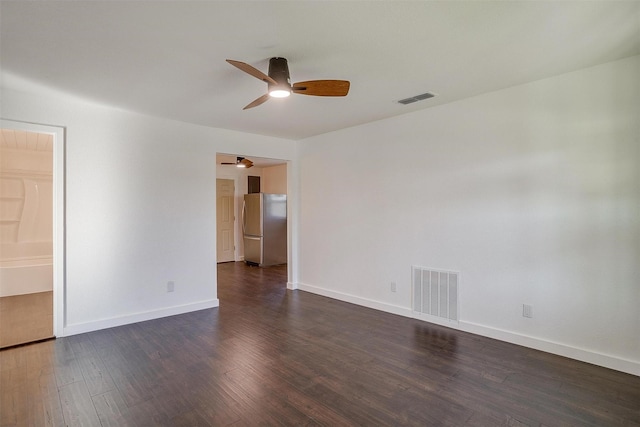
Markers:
point(279, 71)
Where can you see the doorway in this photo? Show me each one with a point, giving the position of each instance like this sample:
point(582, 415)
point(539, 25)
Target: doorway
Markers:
point(31, 232)
point(275, 178)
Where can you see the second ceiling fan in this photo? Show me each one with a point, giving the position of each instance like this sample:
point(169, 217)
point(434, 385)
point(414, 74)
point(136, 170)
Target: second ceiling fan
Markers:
point(279, 83)
point(241, 162)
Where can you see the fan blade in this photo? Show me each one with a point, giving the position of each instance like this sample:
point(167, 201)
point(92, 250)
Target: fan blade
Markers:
point(247, 163)
point(264, 98)
point(253, 71)
point(227, 163)
point(322, 87)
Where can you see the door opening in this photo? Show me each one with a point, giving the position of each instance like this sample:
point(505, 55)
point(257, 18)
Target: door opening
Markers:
point(274, 178)
point(31, 232)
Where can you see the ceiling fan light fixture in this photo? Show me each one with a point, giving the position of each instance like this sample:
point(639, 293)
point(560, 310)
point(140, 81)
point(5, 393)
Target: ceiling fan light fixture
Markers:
point(279, 92)
point(240, 162)
point(279, 72)
point(279, 83)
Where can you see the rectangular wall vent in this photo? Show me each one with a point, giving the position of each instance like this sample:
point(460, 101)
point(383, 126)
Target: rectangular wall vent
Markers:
point(435, 292)
point(416, 98)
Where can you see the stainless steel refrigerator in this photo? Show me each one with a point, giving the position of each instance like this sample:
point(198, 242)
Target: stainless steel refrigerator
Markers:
point(264, 227)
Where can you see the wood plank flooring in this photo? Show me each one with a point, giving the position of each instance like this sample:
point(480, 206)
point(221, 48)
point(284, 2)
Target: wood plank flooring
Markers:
point(269, 356)
point(26, 318)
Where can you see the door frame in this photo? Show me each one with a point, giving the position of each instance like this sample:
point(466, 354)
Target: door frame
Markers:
point(293, 213)
point(59, 254)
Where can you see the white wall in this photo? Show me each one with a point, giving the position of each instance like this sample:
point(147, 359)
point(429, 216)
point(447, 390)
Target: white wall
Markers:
point(140, 207)
point(532, 193)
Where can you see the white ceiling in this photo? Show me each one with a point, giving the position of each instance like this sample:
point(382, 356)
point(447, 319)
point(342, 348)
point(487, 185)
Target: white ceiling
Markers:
point(167, 58)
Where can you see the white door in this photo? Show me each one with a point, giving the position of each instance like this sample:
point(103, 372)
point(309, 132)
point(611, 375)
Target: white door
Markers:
point(225, 219)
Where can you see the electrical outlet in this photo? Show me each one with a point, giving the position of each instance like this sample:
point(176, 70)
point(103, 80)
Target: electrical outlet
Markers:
point(171, 286)
point(393, 286)
point(527, 311)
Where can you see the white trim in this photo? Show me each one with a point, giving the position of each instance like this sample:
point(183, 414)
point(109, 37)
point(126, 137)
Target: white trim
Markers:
point(81, 328)
point(583, 355)
point(59, 255)
point(353, 299)
point(293, 215)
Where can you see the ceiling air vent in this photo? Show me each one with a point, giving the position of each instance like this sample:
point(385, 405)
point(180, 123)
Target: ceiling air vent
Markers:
point(416, 98)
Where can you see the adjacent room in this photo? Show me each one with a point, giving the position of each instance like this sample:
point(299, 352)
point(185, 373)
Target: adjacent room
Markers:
point(457, 194)
point(26, 237)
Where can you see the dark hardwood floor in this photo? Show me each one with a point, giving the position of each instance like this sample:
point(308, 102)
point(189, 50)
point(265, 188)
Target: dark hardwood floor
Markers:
point(269, 356)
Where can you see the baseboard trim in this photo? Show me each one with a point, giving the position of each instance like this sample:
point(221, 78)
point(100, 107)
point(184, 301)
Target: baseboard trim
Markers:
point(583, 355)
point(353, 299)
point(81, 328)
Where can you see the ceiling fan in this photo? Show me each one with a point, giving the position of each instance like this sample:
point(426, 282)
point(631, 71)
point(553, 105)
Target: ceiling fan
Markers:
point(279, 83)
point(241, 162)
